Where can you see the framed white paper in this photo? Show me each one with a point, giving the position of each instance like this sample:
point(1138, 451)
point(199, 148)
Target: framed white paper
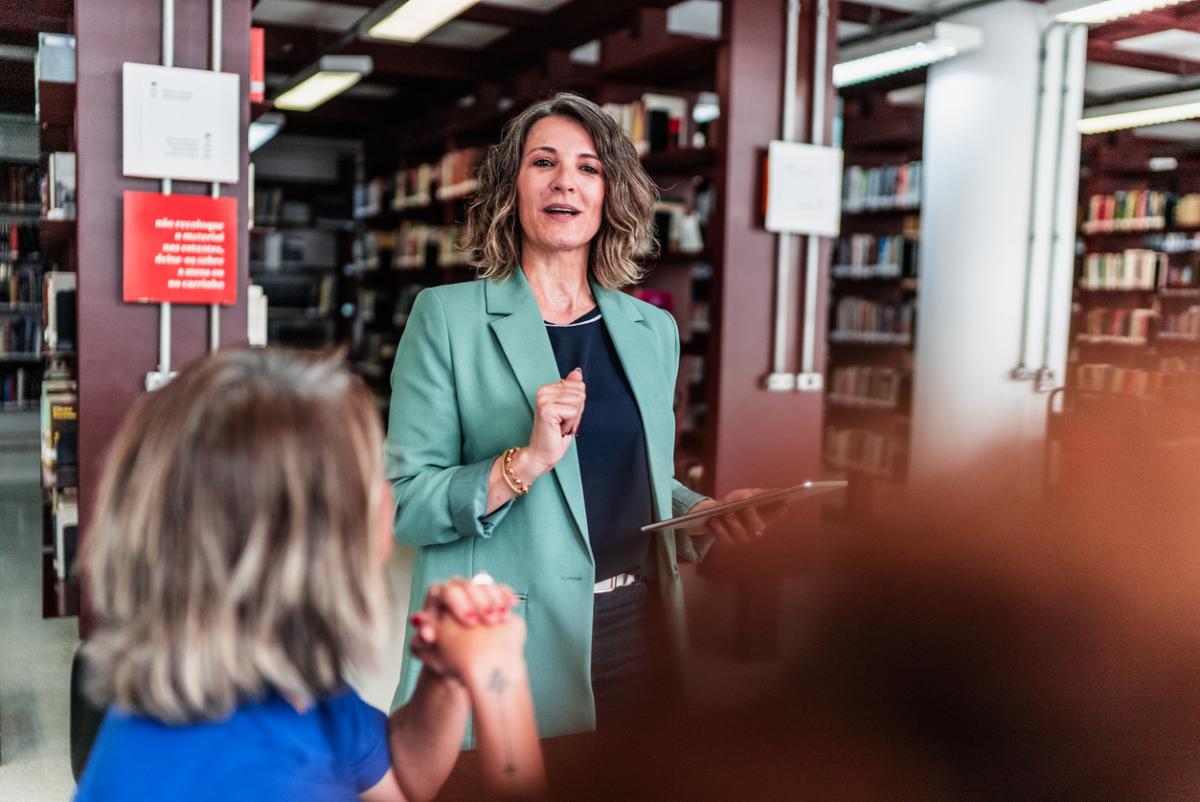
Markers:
point(180, 123)
point(804, 189)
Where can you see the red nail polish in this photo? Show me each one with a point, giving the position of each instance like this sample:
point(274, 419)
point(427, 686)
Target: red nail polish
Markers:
point(415, 620)
point(471, 616)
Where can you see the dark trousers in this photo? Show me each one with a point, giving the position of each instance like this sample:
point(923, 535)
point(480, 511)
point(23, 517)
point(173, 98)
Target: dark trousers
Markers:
point(631, 678)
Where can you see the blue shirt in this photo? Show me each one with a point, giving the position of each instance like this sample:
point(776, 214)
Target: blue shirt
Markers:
point(611, 444)
point(266, 750)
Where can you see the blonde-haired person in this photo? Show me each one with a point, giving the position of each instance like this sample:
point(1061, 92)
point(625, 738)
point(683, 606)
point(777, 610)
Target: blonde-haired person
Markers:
point(236, 567)
point(532, 431)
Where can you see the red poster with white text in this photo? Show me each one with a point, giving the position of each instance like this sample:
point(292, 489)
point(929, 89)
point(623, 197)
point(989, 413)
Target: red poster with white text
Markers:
point(180, 248)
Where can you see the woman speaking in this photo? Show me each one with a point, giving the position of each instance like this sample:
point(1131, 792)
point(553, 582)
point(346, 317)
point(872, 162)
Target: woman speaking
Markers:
point(531, 431)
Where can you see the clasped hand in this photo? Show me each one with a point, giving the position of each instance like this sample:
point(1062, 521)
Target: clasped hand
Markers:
point(462, 623)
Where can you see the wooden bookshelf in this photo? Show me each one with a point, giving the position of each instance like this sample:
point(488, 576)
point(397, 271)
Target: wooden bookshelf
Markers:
point(874, 285)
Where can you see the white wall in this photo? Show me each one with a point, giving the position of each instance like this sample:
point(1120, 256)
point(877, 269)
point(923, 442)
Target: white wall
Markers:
point(979, 145)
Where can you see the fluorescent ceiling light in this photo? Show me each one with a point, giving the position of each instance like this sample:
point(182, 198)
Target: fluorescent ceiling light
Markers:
point(1163, 164)
point(1090, 12)
point(1146, 111)
point(264, 129)
point(415, 19)
point(330, 76)
point(905, 51)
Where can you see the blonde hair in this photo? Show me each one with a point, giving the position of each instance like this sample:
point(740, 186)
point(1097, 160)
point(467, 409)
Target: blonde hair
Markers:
point(233, 550)
point(493, 237)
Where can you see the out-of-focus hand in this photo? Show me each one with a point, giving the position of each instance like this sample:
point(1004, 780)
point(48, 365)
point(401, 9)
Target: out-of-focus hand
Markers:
point(555, 422)
point(744, 526)
point(461, 603)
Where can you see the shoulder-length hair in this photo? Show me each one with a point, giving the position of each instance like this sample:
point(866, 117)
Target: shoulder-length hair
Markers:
point(493, 237)
point(234, 547)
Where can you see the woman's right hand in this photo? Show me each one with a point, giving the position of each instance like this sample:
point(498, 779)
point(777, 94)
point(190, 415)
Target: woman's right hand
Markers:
point(556, 421)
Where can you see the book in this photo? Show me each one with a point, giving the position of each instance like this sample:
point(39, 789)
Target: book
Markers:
point(58, 311)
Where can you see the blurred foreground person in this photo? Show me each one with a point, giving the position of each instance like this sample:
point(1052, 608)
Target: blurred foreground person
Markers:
point(977, 650)
point(236, 565)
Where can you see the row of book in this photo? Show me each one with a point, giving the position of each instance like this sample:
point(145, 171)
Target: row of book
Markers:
point(677, 227)
point(1140, 210)
point(862, 450)
point(20, 283)
point(1132, 269)
point(18, 241)
point(865, 386)
point(308, 248)
point(894, 186)
point(58, 187)
point(1183, 325)
point(419, 246)
point(1111, 379)
point(20, 337)
point(655, 122)
point(1117, 325)
point(19, 184)
point(18, 387)
point(60, 431)
point(451, 177)
point(58, 311)
point(874, 256)
point(861, 320)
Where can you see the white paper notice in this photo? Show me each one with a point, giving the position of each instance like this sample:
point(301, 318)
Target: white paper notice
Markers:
point(180, 123)
point(804, 189)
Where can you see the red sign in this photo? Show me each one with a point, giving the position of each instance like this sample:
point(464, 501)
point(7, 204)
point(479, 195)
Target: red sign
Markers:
point(180, 248)
point(258, 69)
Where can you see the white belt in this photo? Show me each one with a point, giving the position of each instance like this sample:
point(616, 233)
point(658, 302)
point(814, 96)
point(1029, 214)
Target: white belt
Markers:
point(618, 581)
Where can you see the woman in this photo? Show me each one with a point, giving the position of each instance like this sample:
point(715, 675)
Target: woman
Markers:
point(236, 565)
point(531, 430)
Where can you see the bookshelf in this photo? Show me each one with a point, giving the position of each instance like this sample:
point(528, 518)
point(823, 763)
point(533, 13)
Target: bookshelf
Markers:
point(873, 293)
point(1135, 325)
point(301, 237)
point(53, 234)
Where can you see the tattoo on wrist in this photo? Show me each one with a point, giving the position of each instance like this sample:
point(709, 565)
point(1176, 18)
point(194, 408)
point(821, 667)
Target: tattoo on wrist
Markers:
point(499, 685)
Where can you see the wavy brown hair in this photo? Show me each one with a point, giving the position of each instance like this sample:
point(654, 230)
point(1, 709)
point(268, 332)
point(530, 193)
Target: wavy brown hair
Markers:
point(234, 548)
point(493, 237)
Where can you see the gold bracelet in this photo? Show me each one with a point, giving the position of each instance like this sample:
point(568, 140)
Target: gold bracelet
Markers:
point(514, 482)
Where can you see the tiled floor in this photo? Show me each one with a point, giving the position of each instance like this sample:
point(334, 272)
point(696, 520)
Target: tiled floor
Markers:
point(35, 654)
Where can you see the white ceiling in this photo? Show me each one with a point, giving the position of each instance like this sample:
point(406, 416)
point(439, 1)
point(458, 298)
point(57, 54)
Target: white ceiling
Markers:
point(1172, 42)
point(309, 13)
point(465, 34)
point(695, 18)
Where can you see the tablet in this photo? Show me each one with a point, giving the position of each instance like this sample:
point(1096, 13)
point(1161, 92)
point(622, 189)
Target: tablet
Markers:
point(782, 495)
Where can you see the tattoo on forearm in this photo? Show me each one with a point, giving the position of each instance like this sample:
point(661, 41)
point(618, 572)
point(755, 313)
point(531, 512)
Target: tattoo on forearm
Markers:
point(499, 685)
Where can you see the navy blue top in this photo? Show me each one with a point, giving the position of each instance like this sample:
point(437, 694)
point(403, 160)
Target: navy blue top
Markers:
point(267, 749)
point(611, 446)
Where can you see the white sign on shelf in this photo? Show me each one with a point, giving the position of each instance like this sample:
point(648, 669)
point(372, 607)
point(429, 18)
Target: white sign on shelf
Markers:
point(804, 189)
point(180, 123)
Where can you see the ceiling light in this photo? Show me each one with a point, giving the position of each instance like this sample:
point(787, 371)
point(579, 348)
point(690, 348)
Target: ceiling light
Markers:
point(905, 51)
point(1090, 12)
point(415, 19)
point(1146, 111)
point(1163, 164)
point(264, 129)
point(330, 76)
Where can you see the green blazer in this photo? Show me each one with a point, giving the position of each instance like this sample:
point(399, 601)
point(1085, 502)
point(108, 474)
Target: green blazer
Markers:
point(464, 386)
